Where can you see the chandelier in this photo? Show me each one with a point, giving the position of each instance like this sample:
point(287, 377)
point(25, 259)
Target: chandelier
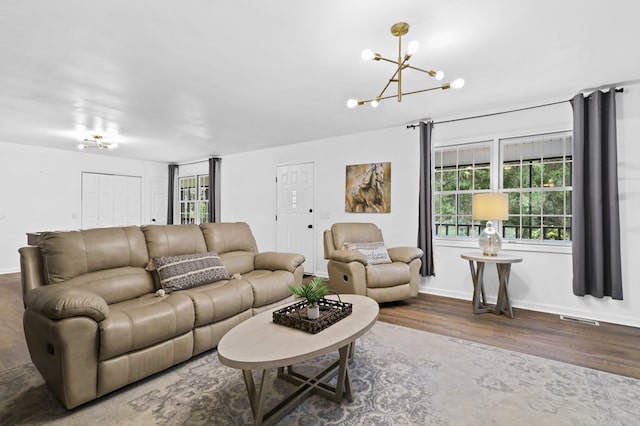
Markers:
point(398, 30)
point(97, 142)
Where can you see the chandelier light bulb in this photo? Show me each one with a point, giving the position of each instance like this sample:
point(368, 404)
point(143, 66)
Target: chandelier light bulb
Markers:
point(367, 54)
point(375, 104)
point(413, 47)
point(112, 146)
point(457, 83)
point(81, 146)
point(351, 103)
point(439, 75)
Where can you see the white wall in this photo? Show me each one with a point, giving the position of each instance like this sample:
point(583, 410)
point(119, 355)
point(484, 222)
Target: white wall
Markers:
point(542, 282)
point(249, 192)
point(40, 190)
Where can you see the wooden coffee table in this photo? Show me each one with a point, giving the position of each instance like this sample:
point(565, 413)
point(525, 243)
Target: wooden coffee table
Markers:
point(260, 344)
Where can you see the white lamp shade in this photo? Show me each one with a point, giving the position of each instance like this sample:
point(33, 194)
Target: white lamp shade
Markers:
point(490, 206)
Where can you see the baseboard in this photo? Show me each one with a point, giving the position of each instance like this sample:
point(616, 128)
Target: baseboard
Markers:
point(9, 271)
point(562, 310)
point(539, 307)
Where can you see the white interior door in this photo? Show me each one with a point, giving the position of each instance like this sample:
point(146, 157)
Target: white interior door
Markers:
point(90, 200)
point(111, 200)
point(294, 216)
point(127, 200)
point(159, 200)
point(106, 199)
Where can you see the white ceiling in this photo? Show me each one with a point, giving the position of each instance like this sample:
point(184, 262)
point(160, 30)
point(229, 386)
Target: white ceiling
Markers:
point(181, 80)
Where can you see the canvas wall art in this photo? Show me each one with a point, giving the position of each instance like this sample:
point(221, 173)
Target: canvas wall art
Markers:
point(368, 188)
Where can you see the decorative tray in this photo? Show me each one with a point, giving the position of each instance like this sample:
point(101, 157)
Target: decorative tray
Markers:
point(295, 316)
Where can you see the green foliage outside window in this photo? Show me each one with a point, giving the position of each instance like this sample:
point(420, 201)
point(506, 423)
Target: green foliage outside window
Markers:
point(536, 177)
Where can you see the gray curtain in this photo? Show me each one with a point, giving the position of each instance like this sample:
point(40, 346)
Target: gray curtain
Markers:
point(214, 189)
point(596, 224)
point(171, 187)
point(425, 214)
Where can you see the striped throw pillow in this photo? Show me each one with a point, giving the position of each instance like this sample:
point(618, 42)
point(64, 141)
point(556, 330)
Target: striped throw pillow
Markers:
point(189, 270)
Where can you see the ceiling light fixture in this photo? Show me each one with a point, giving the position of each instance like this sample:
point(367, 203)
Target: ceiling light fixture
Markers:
point(398, 30)
point(97, 142)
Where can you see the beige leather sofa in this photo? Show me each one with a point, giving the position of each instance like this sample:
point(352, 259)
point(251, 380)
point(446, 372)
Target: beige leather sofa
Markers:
point(94, 321)
point(360, 263)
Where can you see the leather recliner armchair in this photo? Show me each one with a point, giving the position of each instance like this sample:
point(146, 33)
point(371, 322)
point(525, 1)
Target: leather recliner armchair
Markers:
point(359, 263)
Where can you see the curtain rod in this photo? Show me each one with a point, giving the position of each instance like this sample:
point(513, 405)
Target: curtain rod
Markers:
point(413, 126)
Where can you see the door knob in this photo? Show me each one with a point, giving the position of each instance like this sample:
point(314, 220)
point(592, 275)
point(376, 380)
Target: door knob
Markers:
point(310, 226)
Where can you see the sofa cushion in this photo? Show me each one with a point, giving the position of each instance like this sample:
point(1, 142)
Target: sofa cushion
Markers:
point(68, 254)
point(173, 240)
point(235, 244)
point(355, 233)
point(218, 301)
point(228, 237)
point(375, 252)
point(144, 321)
point(269, 286)
point(388, 275)
point(189, 270)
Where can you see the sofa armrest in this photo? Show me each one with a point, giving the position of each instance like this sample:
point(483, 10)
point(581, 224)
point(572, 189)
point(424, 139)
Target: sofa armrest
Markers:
point(347, 256)
point(31, 268)
point(58, 301)
point(404, 254)
point(275, 261)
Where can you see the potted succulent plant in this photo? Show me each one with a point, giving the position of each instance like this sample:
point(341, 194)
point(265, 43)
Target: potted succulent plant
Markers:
point(312, 291)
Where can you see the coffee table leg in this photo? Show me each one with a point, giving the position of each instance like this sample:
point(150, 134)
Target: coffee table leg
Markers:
point(257, 400)
point(343, 387)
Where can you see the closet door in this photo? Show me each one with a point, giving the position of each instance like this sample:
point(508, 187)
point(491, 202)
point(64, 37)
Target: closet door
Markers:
point(111, 200)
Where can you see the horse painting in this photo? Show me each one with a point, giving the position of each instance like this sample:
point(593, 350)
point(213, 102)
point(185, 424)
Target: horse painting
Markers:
point(366, 190)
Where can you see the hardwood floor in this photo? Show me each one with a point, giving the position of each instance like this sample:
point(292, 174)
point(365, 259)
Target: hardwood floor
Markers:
point(609, 347)
point(13, 348)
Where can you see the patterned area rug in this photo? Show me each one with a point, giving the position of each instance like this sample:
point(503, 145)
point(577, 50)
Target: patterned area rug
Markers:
point(400, 377)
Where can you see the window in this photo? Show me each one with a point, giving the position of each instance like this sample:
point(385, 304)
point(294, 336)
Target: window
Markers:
point(459, 172)
point(194, 199)
point(535, 172)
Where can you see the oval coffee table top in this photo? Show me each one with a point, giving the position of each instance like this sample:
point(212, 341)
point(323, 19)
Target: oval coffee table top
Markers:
point(258, 343)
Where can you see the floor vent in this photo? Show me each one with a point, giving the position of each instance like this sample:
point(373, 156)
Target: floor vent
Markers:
point(580, 320)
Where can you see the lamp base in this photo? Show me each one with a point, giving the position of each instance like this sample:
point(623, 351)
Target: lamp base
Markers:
point(490, 242)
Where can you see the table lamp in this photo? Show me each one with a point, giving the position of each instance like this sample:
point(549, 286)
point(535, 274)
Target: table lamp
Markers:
point(489, 207)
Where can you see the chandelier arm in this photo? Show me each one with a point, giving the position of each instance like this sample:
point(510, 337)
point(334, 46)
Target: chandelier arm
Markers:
point(401, 65)
point(392, 79)
point(431, 73)
point(381, 98)
point(443, 87)
point(382, 58)
point(377, 99)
